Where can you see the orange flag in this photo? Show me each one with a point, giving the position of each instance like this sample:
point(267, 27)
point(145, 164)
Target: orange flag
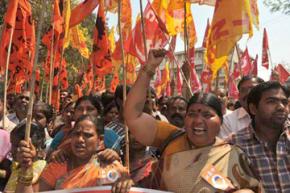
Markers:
point(22, 47)
point(101, 55)
point(126, 26)
point(229, 26)
point(83, 10)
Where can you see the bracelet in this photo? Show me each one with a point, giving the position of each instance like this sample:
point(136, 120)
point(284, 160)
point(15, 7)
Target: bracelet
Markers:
point(150, 72)
point(2, 174)
point(26, 176)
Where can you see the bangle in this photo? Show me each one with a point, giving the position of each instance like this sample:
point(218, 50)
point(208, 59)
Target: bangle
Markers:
point(150, 72)
point(26, 176)
point(2, 174)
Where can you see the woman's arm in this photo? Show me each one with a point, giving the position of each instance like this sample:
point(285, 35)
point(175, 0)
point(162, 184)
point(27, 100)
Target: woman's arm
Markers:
point(142, 125)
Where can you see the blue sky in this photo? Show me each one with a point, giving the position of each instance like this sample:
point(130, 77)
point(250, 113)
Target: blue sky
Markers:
point(277, 25)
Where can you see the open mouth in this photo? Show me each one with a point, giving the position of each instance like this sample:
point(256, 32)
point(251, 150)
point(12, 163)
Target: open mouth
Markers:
point(198, 131)
point(80, 147)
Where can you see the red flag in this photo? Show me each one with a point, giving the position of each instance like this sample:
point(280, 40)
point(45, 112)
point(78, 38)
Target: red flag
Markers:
point(206, 78)
point(155, 35)
point(179, 81)
point(101, 54)
point(236, 74)
point(83, 10)
point(283, 73)
point(206, 33)
point(255, 66)
point(265, 56)
point(10, 15)
point(245, 63)
point(195, 82)
point(233, 90)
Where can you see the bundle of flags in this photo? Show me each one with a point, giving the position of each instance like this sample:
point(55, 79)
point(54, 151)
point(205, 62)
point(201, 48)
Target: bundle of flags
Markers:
point(164, 20)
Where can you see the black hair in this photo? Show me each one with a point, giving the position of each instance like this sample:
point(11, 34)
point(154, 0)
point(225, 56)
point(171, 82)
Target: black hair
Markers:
point(249, 77)
point(159, 101)
point(107, 98)
point(46, 109)
point(208, 99)
point(37, 134)
point(95, 100)
point(256, 93)
point(91, 118)
point(109, 107)
point(173, 99)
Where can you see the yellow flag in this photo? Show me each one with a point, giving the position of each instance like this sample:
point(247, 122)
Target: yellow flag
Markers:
point(67, 14)
point(255, 13)
point(212, 62)
point(111, 38)
point(232, 19)
point(78, 40)
point(191, 32)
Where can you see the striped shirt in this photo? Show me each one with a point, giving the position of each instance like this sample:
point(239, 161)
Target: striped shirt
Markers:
point(272, 169)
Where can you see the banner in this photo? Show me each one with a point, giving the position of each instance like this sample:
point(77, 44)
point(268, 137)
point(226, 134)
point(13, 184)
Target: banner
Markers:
point(105, 189)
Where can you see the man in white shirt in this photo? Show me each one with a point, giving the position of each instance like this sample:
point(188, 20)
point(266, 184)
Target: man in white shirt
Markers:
point(239, 118)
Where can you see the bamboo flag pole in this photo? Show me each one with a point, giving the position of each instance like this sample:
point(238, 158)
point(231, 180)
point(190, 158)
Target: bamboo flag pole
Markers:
point(51, 69)
point(41, 89)
point(32, 83)
point(6, 77)
point(143, 31)
point(127, 158)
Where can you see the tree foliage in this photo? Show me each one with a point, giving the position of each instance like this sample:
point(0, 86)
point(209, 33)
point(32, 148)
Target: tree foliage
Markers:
point(278, 6)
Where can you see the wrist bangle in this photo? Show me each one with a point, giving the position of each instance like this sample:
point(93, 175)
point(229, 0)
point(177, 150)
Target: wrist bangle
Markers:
point(26, 176)
point(148, 71)
point(2, 174)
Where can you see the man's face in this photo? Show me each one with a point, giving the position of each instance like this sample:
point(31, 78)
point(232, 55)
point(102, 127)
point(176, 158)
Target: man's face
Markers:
point(272, 109)
point(244, 91)
point(176, 112)
point(22, 102)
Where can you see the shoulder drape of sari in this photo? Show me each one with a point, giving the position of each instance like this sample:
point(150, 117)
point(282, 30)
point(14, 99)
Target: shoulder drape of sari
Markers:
point(181, 171)
point(93, 173)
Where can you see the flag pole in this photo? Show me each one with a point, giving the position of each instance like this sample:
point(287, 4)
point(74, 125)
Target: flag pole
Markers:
point(6, 76)
point(127, 158)
point(32, 81)
point(41, 89)
point(51, 72)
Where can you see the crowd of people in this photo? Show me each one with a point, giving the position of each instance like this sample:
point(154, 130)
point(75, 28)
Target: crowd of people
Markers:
point(208, 143)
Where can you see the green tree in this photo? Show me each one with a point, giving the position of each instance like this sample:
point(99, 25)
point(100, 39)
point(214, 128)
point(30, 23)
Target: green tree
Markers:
point(278, 6)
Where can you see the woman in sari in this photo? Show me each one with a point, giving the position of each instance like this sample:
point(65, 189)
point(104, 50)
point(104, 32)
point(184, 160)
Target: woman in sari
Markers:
point(193, 160)
point(82, 169)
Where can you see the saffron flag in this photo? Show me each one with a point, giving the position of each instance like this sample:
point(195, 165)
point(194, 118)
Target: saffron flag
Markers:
point(165, 77)
point(126, 28)
point(131, 64)
point(101, 55)
point(255, 66)
point(245, 63)
point(265, 55)
point(255, 13)
point(10, 15)
point(155, 36)
point(157, 83)
point(229, 26)
point(23, 44)
point(66, 19)
point(82, 11)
